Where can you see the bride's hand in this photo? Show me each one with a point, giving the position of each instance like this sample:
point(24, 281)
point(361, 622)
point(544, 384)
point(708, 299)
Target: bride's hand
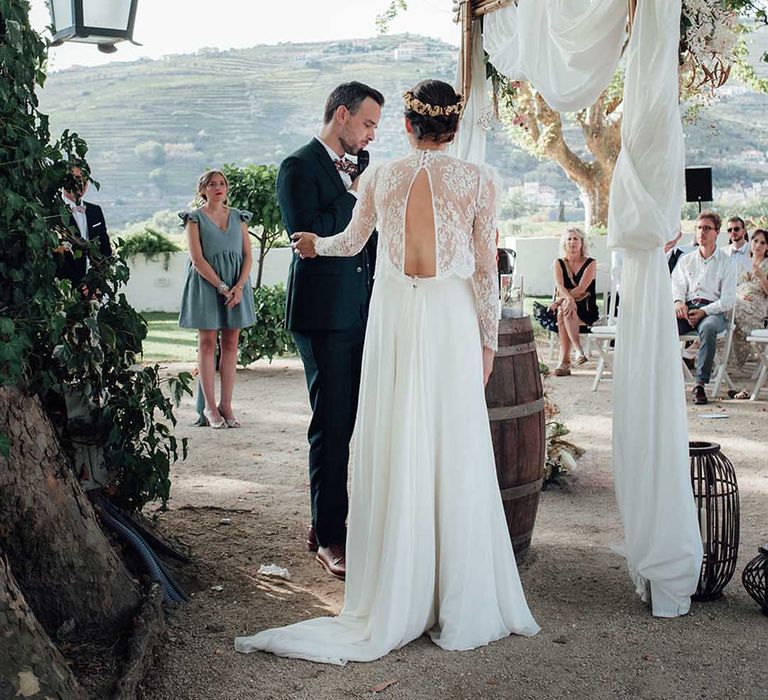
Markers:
point(488, 356)
point(304, 244)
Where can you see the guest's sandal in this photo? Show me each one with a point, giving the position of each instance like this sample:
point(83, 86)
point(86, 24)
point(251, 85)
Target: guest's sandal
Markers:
point(733, 394)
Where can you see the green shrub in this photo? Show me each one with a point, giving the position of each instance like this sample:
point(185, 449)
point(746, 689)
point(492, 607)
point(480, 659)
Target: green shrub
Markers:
point(149, 243)
point(268, 336)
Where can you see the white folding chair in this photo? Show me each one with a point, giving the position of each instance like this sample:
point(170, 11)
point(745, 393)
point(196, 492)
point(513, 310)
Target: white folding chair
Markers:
point(722, 354)
point(604, 336)
point(759, 340)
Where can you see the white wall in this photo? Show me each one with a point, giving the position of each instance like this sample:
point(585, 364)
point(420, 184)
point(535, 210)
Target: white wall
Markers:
point(153, 288)
point(536, 254)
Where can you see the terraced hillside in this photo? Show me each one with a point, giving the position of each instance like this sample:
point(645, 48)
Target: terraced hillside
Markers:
point(153, 126)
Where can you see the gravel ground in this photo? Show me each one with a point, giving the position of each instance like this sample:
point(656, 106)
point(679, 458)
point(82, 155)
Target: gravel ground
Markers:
point(597, 640)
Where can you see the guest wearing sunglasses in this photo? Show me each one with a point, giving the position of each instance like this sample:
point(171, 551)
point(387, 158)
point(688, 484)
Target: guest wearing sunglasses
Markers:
point(738, 248)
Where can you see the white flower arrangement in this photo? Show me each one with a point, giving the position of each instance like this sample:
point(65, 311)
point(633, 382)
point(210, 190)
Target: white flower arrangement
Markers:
point(709, 42)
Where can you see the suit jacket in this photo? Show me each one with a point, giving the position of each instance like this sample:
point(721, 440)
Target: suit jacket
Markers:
point(674, 256)
point(324, 293)
point(72, 268)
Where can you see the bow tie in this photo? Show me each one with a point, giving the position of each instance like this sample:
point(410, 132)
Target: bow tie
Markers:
point(79, 208)
point(346, 166)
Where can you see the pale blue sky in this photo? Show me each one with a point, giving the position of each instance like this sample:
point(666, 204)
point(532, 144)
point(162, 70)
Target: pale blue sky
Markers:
point(183, 26)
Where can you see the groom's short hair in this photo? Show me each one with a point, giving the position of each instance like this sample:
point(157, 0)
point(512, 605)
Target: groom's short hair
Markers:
point(351, 96)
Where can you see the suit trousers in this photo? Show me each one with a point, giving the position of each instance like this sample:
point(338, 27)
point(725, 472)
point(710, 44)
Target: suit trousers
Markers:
point(332, 362)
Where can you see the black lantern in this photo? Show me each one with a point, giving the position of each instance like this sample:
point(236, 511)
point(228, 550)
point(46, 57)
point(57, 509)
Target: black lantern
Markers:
point(716, 494)
point(101, 22)
point(755, 578)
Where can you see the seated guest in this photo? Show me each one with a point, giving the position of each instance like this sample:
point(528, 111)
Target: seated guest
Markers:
point(751, 298)
point(86, 223)
point(738, 248)
point(575, 300)
point(704, 289)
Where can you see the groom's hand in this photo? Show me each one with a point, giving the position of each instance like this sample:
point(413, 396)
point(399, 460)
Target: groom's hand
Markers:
point(304, 244)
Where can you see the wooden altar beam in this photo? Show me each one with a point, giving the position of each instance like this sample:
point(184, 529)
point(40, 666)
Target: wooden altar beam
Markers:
point(483, 7)
point(470, 10)
point(465, 16)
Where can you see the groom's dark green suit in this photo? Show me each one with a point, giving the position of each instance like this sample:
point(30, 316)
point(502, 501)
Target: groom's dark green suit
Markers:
point(326, 310)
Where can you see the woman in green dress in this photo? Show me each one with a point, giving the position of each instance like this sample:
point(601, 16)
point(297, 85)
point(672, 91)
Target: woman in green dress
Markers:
point(217, 295)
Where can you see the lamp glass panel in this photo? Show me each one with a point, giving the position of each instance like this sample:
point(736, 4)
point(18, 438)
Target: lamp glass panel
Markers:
point(107, 14)
point(63, 14)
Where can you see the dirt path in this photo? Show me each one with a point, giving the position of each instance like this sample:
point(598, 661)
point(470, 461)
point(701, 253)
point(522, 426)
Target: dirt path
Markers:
point(597, 638)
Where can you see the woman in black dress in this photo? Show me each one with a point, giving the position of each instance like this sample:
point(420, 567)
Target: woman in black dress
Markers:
point(575, 301)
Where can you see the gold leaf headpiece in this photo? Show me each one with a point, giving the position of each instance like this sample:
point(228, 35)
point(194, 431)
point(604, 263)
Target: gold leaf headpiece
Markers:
point(416, 105)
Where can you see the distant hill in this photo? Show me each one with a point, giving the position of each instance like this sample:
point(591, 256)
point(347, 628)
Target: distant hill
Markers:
point(154, 126)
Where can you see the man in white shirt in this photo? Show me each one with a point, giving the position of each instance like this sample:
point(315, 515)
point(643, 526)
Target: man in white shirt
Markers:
point(738, 248)
point(704, 290)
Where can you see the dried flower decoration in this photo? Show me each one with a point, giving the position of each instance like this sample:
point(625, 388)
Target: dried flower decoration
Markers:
point(416, 105)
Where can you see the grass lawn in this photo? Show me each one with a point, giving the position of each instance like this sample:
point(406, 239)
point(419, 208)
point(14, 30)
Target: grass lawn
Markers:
point(167, 342)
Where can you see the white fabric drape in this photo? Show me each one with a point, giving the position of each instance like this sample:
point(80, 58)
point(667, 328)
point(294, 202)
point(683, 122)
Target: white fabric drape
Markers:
point(650, 426)
point(470, 142)
point(569, 50)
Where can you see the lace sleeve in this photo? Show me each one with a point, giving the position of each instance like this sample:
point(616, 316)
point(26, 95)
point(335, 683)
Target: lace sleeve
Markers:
point(352, 239)
point(485, 278)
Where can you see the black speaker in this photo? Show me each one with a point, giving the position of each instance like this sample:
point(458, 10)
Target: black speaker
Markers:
point(698, 184)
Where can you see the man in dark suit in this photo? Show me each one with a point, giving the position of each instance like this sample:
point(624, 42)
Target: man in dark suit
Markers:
point(673, 251)
point(327, 302)
point(86, 222)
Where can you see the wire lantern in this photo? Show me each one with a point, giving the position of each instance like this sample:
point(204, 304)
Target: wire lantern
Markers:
point(755, 578)
point(716, 494)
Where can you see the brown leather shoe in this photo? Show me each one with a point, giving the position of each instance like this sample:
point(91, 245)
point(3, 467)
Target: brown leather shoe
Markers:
point(333, 559)
point(311, 539)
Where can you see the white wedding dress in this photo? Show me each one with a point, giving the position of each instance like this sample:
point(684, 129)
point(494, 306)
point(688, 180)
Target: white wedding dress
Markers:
point(428, 547)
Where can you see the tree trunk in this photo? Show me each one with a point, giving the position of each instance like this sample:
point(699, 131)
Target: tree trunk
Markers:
point(30, 665)
point(601, 126)
point(71, 577)
point(596, 195)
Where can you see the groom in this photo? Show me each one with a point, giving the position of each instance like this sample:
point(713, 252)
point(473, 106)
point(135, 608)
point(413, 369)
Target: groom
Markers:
point(327, 302)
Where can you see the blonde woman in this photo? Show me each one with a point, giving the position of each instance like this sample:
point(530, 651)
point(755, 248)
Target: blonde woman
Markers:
point(574, 272)
point(751, 301)
point(217, 295)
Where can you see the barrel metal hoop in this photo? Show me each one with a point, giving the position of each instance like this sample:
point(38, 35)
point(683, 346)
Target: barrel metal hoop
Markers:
point(511, 350)
point(516, 492)
point(522, 539)
point(510, 412)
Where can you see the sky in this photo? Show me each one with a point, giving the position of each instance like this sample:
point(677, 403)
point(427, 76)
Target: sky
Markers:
point(183, 26)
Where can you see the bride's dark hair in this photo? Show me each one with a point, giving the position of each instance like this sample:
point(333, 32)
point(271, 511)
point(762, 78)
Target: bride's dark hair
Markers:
point(434, 109)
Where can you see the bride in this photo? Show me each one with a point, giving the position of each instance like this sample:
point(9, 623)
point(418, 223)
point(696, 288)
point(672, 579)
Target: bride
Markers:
point(428, 548)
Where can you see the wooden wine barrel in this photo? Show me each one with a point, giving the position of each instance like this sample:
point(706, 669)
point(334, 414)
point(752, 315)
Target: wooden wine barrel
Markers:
point(515, 401)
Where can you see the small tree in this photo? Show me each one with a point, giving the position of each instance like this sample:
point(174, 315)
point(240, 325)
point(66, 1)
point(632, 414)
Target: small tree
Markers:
point(253, 188)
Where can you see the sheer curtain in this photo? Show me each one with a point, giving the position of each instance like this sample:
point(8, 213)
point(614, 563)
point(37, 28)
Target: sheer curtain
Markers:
point(570, 50)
